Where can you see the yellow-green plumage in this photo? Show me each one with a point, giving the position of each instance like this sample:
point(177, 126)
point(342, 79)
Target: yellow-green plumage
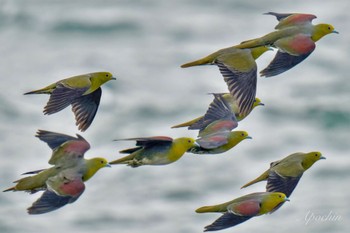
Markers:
point(233, 139)
point(243, 208)
point(64, 182)
point(233, 106)
point(241, 59)
point(295, 39)
point(37, 182)
point(283, 175)
point(155, 151)
point(83, 92)
point(239, 70)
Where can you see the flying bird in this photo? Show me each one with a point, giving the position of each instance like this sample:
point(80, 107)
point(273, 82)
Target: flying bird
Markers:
point(243, 208)
point(295, 37)
point(284, 175)
point(239, 69)
point(158, 150)
point(230, 100)
point(62, 183)
point(83, 92)
point(215, 128)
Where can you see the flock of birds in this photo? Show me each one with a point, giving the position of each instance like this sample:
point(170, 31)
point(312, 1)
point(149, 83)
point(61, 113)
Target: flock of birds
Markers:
point(295, 37)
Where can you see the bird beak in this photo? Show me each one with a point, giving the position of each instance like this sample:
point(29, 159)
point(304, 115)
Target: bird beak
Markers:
point(261, 104)
point(286, 199)
point(336, 32)
point(113, 78)
point(322, 157)
point(248, 137)
point(196, 144)
point(108, 165)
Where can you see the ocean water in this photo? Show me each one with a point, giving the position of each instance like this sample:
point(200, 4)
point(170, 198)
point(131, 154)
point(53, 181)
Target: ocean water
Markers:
point(143, 43)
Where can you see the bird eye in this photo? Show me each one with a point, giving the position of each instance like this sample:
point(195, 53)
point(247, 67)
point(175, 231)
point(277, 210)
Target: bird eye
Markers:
point(102, 162)
point(329, 28)
point(242, 134)
point(280, 196)
point(316, 155)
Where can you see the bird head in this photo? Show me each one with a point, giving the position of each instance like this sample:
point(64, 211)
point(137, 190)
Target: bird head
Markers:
point(93, 165)
point(257, 102)
point(321, 30)
point(272, 201)
point(310, 158)
point(102, 77)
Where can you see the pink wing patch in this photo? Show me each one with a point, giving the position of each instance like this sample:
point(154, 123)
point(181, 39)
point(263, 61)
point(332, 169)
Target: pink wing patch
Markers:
point(77, 147)
point(72, 188)
point(245, 208)
point(294, 20)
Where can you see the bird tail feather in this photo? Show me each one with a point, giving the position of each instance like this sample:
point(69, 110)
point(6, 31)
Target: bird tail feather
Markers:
point(203, 61)
point(188, 123)
point(262, 177)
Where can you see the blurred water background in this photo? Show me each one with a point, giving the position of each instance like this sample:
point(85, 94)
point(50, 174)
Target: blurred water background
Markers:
point(143, 44)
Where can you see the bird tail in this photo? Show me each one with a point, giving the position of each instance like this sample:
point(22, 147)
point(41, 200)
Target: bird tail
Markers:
point(262, 177)
point(33, 183)
point(214, 208)
point(188, 123)
point(10, 189)
point(45, 90)
point(123, 160)
point(202, 61)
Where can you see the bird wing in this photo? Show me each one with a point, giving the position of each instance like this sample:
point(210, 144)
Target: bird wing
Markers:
point(85, 108)
point(61, 97)
point(225, 221)
point(59, 193)
point(54, 140)
point(282, 62)
point(294, 19)
point(65, 148)
point(147, 142)
point(278, 183)
point(218, 110)
point(212, 141)
point(279, 16)
point(242, 85)
point(49, 201)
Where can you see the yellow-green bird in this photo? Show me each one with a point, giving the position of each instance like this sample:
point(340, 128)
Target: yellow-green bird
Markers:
point(68, 152)
point(295, 38)
point(83, 92)
point(158, 150)
point(284, 175)
point(243, 208)
point(231, 140)
point(239, 69)
point(233, 106)
point(215, 129)
point(66, 186)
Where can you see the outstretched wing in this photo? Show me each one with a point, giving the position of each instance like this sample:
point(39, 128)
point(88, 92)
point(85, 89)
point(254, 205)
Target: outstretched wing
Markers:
point(242, 85)
point(85, 108)
point(225, 221)
point(283, 62)
point(61, 97)
point(60, 192)
point(49, 201)
point(288, 20)
point(277, 183)
point(218, 110)
point(54, 140)
point(150, 141)
point(66, 149)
